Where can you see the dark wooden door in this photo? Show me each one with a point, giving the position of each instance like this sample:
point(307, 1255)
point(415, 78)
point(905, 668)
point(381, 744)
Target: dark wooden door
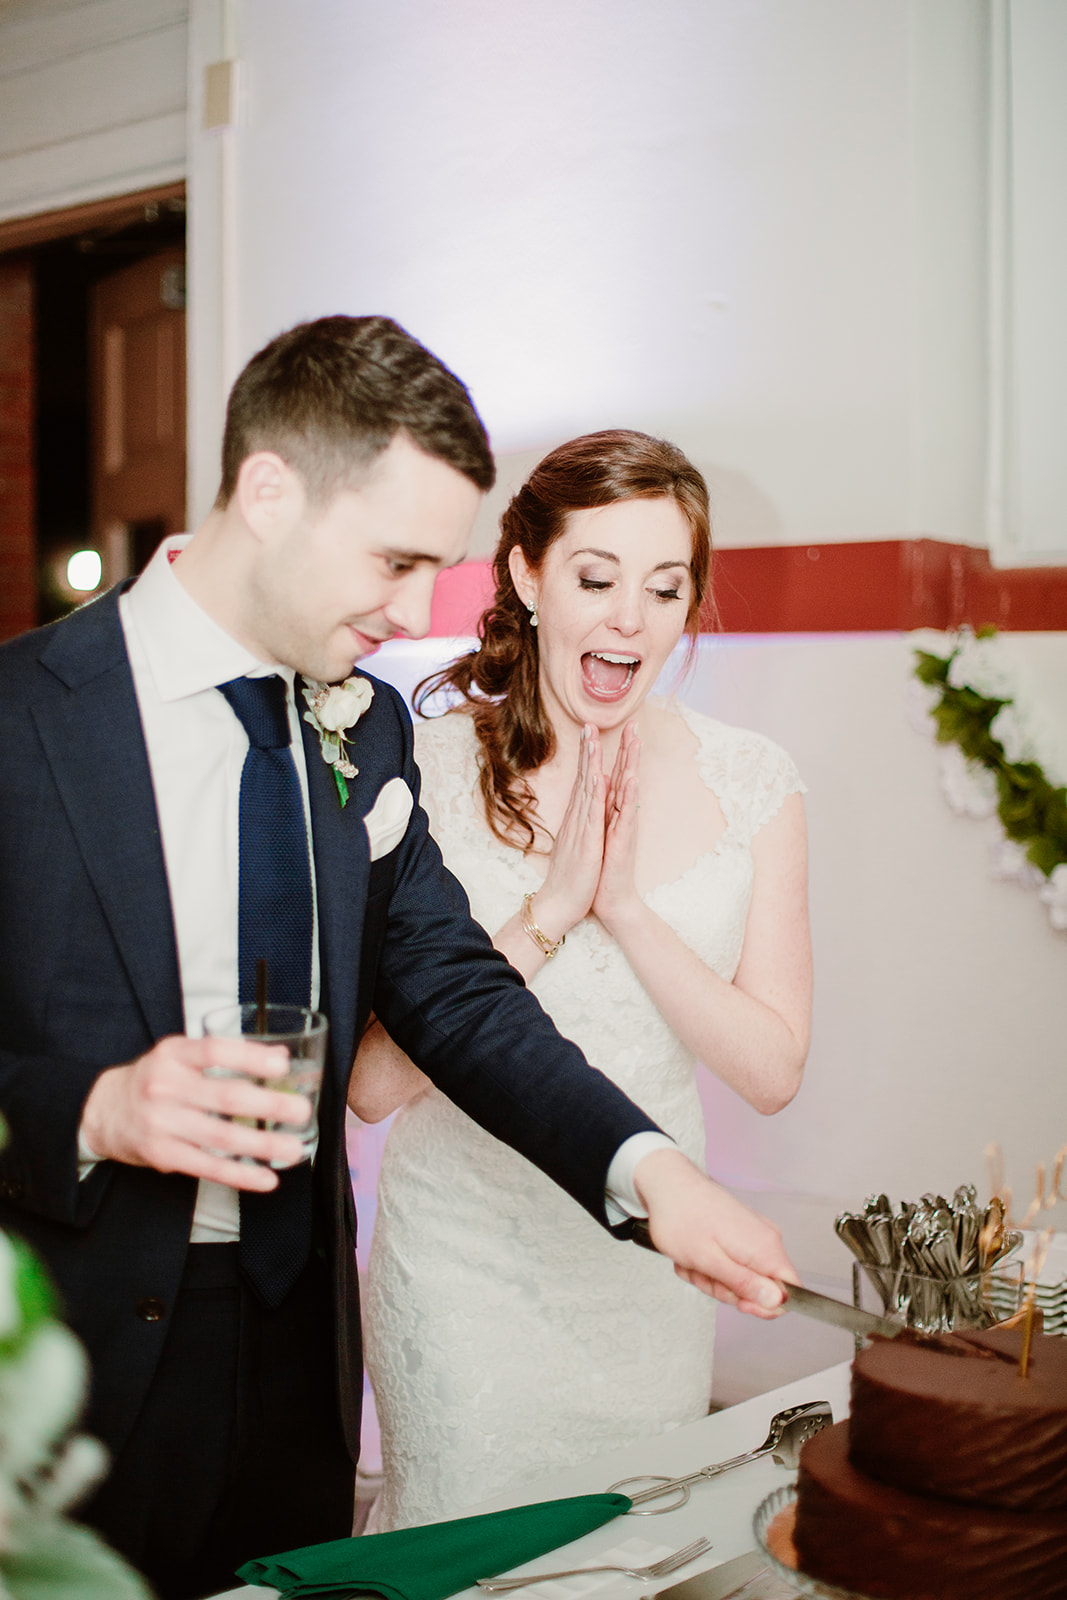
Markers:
point(137, 336)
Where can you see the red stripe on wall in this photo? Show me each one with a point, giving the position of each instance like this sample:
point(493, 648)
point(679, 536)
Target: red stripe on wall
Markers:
point(882, 584)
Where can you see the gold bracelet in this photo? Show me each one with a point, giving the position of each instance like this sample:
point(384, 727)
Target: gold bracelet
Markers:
point(540, 939)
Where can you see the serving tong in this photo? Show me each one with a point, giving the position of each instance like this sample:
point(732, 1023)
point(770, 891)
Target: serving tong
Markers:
point(788, 1431)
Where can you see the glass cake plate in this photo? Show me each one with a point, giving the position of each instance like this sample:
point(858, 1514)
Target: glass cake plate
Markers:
point(766, 1512)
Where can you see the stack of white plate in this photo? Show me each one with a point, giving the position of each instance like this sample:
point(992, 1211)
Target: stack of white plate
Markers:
point(1050, 1292)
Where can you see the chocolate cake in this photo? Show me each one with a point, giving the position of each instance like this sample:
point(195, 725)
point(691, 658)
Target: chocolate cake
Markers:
point(949, 1481)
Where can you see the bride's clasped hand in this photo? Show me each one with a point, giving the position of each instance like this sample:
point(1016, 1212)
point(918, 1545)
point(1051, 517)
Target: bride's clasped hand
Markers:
point(591, 864)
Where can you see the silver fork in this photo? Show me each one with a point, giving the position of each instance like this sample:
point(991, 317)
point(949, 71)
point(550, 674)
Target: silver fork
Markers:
point(658, 1569)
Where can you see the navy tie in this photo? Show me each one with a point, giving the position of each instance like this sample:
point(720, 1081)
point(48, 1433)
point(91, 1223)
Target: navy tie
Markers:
point(274, 924)
point(274, 883)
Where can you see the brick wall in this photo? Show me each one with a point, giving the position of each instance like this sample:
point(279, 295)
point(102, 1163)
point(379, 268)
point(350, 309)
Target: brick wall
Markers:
point(18, 579)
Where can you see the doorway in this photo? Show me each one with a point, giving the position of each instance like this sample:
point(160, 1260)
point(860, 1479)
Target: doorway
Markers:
point(106, 373)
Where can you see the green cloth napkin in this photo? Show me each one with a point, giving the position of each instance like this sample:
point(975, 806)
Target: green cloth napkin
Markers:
point(437, 1560)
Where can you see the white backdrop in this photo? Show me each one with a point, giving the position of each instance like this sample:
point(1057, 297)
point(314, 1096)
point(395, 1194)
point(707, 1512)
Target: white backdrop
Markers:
point(760, 229)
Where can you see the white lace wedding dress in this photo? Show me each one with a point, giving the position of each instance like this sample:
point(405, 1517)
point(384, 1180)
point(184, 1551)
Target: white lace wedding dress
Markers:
point(508, 1334)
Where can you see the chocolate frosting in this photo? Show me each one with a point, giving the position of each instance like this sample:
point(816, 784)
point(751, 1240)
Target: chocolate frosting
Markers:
point(970, 1431)
point(879, 1541)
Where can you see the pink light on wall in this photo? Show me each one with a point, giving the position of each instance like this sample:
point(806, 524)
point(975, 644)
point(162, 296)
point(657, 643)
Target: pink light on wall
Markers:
point(460, 596)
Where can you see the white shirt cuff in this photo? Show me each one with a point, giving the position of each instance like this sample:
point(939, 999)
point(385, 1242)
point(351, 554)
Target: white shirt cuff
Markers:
point(621, 1200)
point(88, 1158)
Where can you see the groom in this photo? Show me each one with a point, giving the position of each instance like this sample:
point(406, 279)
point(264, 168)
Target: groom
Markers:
point(139, 881)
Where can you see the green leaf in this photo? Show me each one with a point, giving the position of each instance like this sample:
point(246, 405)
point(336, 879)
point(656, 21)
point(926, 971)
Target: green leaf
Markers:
point(342, 787)
point(1031, 811)
point(931, 669)
point(1044, 855)
point(36, 1296)
point(54, 1560)
point(34, 1292)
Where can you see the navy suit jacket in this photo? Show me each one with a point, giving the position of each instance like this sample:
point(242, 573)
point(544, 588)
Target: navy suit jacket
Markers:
point(89, 979)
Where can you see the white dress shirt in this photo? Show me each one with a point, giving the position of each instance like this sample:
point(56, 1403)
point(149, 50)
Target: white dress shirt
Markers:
point(196, 751)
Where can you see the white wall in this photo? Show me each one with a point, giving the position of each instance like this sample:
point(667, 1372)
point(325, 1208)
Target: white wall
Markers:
point(1035, 519)
point(92, 100)
point(758, 228)
point(819, 242)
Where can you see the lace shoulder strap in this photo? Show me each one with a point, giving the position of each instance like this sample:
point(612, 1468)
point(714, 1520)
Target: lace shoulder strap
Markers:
point(748, 773)
point(445, 749)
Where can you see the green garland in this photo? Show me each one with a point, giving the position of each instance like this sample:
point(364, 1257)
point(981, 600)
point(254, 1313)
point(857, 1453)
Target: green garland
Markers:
point(1031, 810)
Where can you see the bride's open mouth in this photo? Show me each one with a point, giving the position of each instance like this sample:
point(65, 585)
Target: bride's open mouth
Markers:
point(607, 675)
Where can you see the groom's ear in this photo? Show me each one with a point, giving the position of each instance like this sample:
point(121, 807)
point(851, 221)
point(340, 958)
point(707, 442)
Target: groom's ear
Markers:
point(269, 495)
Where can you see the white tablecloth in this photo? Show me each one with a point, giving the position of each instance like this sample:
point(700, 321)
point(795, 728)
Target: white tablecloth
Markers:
point(721, 1509)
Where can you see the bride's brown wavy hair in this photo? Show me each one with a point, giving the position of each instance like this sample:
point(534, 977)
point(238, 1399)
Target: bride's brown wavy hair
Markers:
point(497, 684)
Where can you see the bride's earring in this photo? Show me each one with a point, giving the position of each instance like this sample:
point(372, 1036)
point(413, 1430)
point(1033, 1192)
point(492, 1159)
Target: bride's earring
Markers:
point(532, 609)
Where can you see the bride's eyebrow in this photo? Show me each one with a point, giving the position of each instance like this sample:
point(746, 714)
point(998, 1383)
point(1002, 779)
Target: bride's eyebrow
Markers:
point(609, 555)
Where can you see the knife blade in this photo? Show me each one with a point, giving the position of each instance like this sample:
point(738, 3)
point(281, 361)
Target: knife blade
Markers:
point(718, 1584)
point(837, 1313)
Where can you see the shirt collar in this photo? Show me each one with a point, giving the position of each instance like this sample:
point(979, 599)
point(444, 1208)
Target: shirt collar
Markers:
point(186, 650)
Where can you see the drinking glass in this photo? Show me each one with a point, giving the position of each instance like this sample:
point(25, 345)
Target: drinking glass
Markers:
point(303, 1033)
point(931, 1304)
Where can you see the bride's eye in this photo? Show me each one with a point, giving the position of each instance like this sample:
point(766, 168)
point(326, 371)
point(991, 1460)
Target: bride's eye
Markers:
point(667, 594)
point(594, 583)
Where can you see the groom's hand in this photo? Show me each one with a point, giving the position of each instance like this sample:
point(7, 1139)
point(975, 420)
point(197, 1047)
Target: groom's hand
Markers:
point(164, 1111)
point(715, 1242)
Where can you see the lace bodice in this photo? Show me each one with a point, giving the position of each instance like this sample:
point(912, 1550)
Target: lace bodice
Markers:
point(589, 989)
point(489, 1289)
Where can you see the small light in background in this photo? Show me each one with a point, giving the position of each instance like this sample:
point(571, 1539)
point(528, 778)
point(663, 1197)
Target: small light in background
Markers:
point(84, 571)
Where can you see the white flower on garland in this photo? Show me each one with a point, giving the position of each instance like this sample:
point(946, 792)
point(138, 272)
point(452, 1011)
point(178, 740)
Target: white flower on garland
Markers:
point(970, 790)
point(1053, 893)
point(1019, 765)
point(334, 708)
point(1014, 734)
point(979, 665)
point(919, 702)
point(1009, 862)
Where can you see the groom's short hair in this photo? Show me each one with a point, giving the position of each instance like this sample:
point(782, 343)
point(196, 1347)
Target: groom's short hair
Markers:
point(329, 396)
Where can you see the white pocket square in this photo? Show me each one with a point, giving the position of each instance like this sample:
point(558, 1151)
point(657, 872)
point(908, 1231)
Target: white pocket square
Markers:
point(387, 819)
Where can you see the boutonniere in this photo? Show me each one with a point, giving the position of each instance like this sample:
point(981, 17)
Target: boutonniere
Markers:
point(334, 708)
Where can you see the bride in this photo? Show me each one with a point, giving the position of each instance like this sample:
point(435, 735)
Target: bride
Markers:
point(644, 868)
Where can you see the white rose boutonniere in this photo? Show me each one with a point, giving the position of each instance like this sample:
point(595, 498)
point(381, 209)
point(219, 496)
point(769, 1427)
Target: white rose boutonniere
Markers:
point(333, 709)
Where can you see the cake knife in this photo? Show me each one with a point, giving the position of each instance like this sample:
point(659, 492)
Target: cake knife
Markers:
point(807, 1302)
point(721, 1583)
point(837, 1313)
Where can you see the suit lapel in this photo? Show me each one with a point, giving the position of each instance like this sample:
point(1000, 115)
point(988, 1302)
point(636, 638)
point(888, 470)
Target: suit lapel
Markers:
point(342, 862)
point(85, 709)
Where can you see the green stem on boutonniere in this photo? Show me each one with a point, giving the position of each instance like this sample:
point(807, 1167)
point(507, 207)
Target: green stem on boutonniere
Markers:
point(342, 787)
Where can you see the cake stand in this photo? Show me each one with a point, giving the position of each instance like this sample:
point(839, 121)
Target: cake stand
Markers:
point(766, 1512)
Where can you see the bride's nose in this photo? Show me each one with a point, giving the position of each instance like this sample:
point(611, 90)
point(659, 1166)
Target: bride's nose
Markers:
point(626, 612)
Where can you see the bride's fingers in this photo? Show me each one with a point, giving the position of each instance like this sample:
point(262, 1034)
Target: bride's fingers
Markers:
point(622, 823)
point(578, 849)
point(595, 763)
point(624, 774)
point(625, 761)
